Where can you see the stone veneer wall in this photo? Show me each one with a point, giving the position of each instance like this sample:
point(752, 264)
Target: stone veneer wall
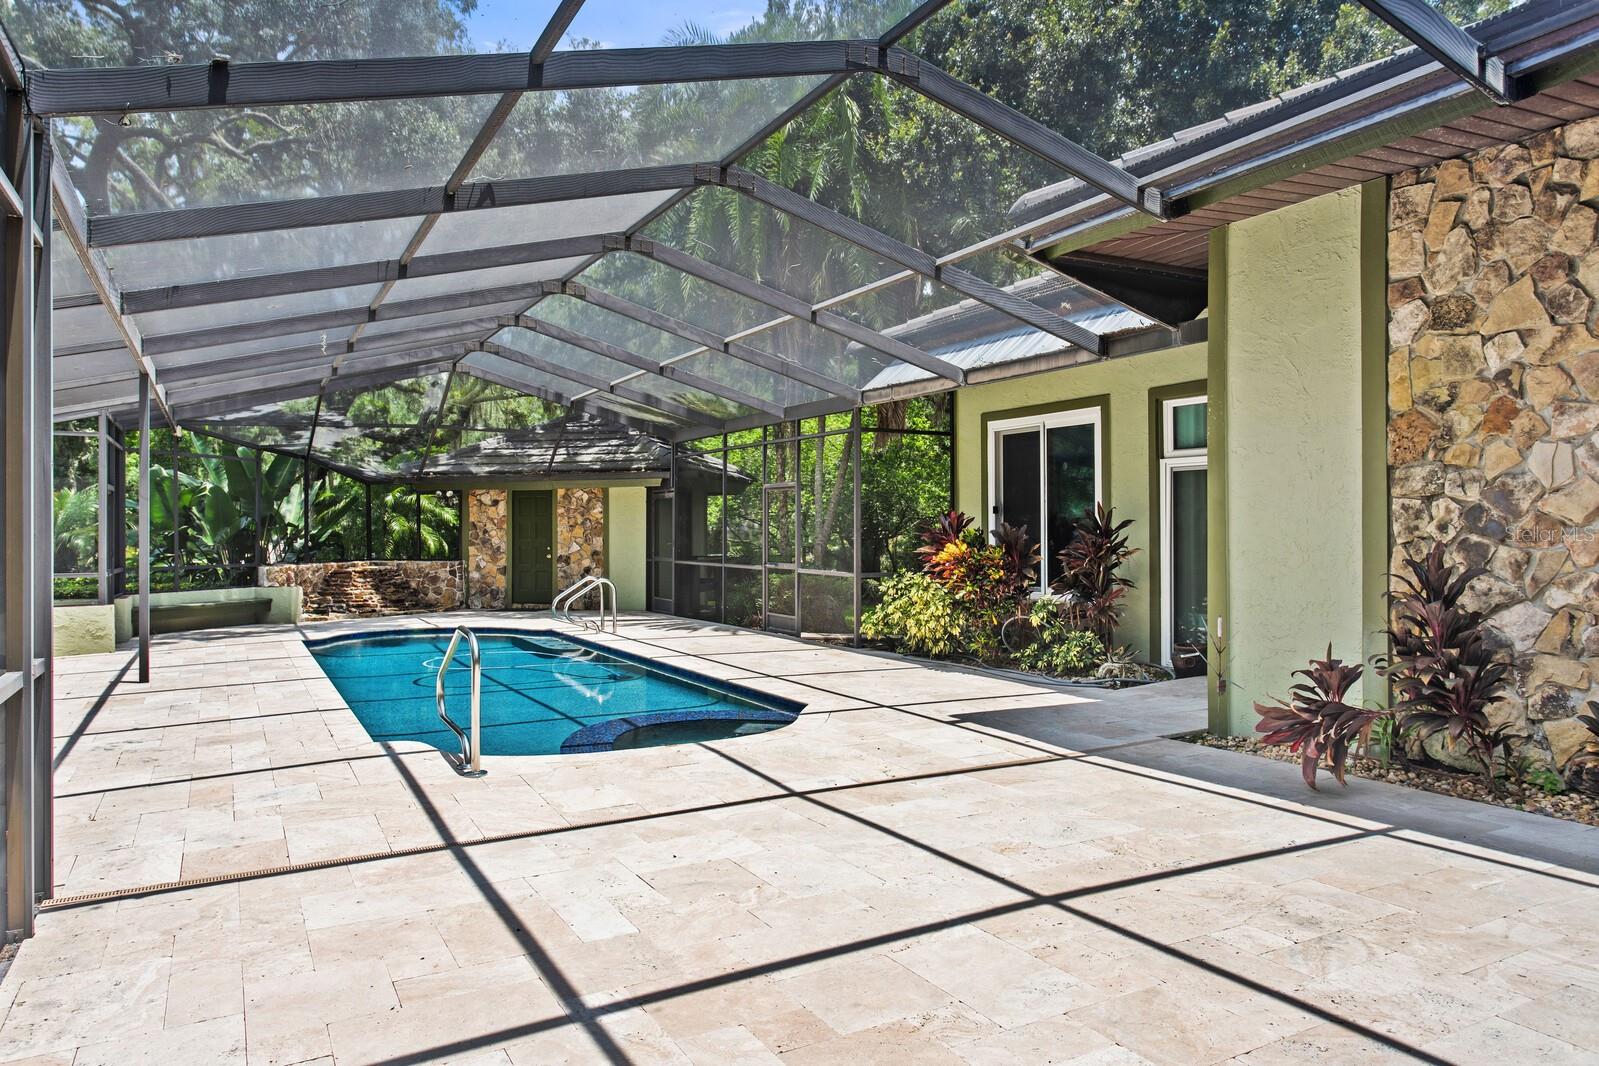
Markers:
point(1494, 403)
point(487, 513)
point(402, 585)
point(579, 537)
point(579, 542)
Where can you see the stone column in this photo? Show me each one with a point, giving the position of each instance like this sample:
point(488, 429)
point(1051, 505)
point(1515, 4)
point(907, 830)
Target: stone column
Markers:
point(579, 537)
point(1493, 437)
point(486, 556)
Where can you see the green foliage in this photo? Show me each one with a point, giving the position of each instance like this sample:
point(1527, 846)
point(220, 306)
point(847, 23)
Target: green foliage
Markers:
point(211, 497)
point(1542, 778)
point(76, 588)
point(1380, 740)
point(990, 581)
point(1059, 648)
point(919, 615)
point(77, 528)
point(905, 472)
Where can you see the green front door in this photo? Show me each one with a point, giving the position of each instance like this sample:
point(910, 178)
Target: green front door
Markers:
point(532, 547)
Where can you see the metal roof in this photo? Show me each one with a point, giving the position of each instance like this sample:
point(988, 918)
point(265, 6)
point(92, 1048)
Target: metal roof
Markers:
point(573, 446)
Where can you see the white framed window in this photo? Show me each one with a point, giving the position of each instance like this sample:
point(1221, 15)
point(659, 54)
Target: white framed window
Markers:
point(1184, 465)
point(1044, 472)
point(1183, 427)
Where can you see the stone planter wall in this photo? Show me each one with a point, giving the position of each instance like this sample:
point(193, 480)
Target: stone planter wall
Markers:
point(370, 587)
point(1494, 404)
point(486, 556)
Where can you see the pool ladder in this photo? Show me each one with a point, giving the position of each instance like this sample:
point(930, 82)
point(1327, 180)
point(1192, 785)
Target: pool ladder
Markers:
point(561, 609)
point(471, 752)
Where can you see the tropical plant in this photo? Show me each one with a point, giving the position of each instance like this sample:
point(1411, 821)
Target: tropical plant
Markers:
point(1018, 555)
point(77, 528)
point(1582, 770)
point(1058, 648)
point(1317, 720)
point(944, 542)
point(917, 614)
point(992, 582)
point(1443, 672)
point(1090, 579)
point(1122, 664)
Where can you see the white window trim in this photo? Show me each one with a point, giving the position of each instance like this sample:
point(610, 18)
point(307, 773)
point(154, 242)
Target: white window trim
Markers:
point(1081, 416)
point(1191, 459)
point(1168, 419)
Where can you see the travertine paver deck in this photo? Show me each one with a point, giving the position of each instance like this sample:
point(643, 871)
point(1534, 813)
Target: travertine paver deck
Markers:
point(931, 865)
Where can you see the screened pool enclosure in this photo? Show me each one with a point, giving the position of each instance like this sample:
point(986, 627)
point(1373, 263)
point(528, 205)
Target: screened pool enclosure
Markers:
point(284, 277)
point(299, 257)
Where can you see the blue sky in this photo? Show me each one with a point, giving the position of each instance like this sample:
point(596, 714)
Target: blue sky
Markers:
point(614, 23)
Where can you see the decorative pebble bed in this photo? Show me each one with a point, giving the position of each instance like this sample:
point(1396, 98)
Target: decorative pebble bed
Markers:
point(1572, 806)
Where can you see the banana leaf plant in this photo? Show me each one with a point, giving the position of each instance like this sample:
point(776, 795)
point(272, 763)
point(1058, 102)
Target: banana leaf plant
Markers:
point(213, 507)
point(1316, 720)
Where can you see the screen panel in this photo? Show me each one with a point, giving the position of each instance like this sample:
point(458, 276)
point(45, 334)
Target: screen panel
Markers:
point(591, 130)
point(94, 35)
point(420, 288)
point(766, 245)
point(660, 288)
point(501, 226)
point(621, 24)
point(261, 309)
point(239, 255)
point(168, 161)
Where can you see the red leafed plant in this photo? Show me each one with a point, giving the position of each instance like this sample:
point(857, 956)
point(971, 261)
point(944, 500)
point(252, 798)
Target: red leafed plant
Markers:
point(1444, 674)
point(990, 581)
point(1316, 720)
point(1090, 578)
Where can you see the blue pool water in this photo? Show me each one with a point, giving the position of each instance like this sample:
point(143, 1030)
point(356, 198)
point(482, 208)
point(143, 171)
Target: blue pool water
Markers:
point(542, 694)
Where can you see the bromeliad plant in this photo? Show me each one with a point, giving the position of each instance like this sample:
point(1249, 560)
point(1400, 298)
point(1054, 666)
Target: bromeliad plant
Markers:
point(1317, 721)
point(1444, 674)
point(1090, 579)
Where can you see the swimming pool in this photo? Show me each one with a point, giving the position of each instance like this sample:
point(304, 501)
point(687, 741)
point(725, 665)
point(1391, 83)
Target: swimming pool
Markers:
point(543, 694)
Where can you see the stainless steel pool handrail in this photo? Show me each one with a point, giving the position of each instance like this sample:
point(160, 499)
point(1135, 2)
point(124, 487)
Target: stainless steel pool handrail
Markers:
point(561, 611)
point(471, 761)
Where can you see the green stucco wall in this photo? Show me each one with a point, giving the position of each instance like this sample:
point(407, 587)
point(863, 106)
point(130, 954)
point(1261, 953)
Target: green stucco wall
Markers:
point(1122, 387)
point(1298, 508)
point(624, 545)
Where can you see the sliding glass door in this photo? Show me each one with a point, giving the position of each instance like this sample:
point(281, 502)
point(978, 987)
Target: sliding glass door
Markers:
point(1045, 473)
